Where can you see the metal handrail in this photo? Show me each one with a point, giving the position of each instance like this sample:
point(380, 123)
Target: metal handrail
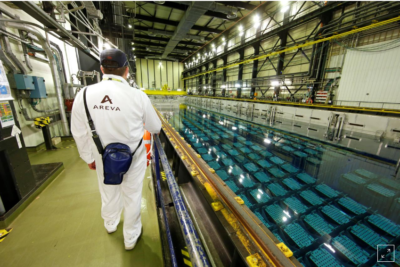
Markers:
point(160, 202)
point(196, 251)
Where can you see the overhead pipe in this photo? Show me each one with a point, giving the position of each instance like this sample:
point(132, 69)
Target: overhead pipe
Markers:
point(10, 54)
point(18, 24)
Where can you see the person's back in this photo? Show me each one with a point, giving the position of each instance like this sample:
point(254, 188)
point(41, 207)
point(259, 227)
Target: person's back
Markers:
point(119, 111)
point(120, 114)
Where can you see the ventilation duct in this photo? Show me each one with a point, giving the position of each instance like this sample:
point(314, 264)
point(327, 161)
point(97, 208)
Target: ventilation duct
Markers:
point(92, 11)
point(231, 12)
point(118, 10)
point(192, 14)
point(160, 58)
point(158, 49)
point(153, 32)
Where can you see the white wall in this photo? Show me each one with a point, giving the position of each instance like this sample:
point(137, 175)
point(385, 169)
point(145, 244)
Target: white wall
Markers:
point(33, 136)
point(150, 72)
point(371, 77)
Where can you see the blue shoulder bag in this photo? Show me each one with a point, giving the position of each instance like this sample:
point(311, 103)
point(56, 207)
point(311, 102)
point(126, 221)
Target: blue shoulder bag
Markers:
point(117, 157)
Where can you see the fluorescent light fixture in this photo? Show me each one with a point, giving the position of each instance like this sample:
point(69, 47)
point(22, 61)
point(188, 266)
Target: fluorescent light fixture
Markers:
point(259, 190)
point(106, 46)
point(284, 9)
point(284, 219)
point(237, 85)
point(234, 128)
point(204, 115)
point(221, 122)
point(330, 247)
point(223, 86)
point(133, 48)
point(129, 26)
point(133, 43)
point(274, 83)
point(288, 82)
point(258, 196)
point(267, 141)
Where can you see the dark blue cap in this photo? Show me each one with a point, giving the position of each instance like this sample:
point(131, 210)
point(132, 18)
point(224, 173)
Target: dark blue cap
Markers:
point(116, 57)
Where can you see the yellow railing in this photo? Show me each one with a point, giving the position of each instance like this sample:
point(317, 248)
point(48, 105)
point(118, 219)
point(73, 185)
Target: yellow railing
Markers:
point(151, 92)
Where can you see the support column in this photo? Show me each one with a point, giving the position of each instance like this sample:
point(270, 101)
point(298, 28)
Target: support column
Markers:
point(255, 66)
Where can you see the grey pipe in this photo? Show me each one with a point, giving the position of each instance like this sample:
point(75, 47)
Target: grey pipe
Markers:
point(53, 66)
point(44, 111)
point(6, 61)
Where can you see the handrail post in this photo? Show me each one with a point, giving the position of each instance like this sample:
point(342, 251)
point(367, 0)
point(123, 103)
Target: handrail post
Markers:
point(196, 251)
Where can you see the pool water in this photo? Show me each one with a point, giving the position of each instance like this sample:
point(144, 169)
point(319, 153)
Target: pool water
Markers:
point(318, 199)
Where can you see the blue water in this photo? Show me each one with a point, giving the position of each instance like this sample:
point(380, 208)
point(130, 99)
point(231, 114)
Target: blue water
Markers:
point(299, 188)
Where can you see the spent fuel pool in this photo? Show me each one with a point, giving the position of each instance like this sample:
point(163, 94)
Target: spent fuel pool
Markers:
point(330, 206)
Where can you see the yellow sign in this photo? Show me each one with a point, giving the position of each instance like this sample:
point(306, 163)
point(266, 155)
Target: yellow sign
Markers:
point(42, 122)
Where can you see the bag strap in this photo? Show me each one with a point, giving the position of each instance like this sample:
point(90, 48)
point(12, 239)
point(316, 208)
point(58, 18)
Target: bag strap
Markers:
point(141, 140)
point(95, 136)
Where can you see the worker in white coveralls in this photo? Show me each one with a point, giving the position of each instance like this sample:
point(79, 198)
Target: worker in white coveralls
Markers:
point(120, 114)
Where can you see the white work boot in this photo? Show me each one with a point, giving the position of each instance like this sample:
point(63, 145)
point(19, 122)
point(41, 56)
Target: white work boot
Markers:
point(131, 242)
point(111, 226)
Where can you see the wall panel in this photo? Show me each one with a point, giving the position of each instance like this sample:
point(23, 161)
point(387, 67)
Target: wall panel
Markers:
point(371, 76)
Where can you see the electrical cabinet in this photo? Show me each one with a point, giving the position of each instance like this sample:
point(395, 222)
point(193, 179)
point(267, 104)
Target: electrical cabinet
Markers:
point(40, 88)
point(33, 84)
point(21, 82)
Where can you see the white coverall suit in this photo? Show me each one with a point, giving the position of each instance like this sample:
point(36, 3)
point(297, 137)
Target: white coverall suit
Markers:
point(120, 114)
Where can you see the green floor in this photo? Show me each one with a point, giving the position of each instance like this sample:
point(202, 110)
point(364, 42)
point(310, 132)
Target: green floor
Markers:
point(63, 227)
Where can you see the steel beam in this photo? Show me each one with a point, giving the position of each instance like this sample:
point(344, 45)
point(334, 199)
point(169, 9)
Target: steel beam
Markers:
point(299, 21)
point(175, 23)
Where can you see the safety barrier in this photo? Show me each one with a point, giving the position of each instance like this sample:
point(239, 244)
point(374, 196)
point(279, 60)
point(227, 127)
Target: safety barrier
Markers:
point(196, 251)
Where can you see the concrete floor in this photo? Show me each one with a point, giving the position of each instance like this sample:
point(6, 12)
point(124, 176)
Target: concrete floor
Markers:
point(63, 226)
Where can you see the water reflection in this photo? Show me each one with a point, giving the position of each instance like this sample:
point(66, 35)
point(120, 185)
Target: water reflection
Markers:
point(319, 200)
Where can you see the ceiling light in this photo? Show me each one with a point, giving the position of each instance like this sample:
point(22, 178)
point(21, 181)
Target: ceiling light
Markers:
point(132, 43)
point(231, 15)
point(267, 141)
point(240, 28)
point(234, 128)
point(284, 9)
point(223, 39)
point(129, 26)
point(106, 46)
point(274, 83)
point(133, 48)
point(240, 33)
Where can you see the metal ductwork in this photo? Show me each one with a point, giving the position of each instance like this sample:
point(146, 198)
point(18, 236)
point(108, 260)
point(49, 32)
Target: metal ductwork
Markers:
point(231, 12)
point(92, 11)
point(192, 14)
point(118, 10)
point(160, 58)
point(158, 49)
point(160, 32)
point(153, 32)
